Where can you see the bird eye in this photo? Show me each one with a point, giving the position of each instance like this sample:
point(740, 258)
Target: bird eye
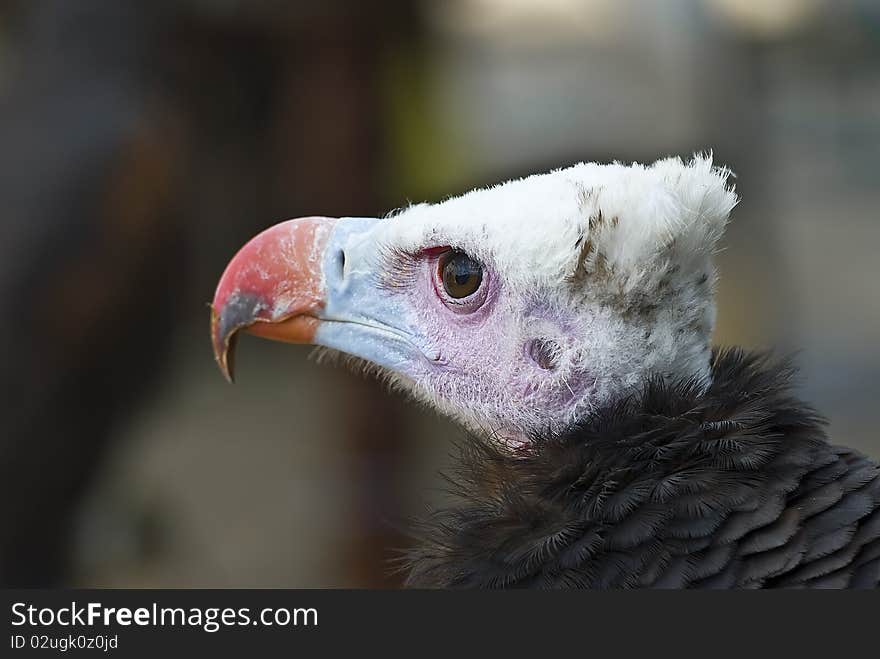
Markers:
point(460, 274)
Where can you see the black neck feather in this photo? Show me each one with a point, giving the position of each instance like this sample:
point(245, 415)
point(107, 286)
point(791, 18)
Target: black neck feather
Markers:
point(735, 486)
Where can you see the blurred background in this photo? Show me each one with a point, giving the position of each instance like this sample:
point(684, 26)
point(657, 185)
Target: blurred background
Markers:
point(141, 143)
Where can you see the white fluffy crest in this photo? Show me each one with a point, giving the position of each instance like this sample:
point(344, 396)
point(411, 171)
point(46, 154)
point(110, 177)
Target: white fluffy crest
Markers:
point(542, 228)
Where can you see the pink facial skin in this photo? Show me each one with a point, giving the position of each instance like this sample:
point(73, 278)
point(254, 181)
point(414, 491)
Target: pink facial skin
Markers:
point(507, 364)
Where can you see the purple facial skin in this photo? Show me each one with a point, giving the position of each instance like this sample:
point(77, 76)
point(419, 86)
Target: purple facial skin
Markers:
point(510, 360)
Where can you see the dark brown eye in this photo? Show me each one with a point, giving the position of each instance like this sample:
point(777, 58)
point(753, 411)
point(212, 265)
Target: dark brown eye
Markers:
point(460, 274)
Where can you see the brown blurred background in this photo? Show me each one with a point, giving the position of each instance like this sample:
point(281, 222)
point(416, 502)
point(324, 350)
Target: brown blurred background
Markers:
point(141, 143)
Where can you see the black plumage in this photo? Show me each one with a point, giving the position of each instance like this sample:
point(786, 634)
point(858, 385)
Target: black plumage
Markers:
point(733, 487)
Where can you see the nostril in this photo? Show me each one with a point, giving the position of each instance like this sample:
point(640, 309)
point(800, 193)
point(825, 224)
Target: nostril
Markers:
point(544, 352)
point(340, 263)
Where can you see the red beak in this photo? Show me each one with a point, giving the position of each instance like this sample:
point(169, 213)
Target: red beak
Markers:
point(273, 287)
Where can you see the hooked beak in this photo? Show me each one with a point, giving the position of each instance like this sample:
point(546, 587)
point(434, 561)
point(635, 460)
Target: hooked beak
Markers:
point(311, 280)
point(272, 288)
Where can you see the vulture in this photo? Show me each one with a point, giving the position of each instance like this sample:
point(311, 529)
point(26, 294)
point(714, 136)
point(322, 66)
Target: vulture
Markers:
point(565, 320)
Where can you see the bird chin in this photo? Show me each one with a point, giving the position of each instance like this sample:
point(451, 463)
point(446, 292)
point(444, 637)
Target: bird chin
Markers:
point(482, 428)
point(394, 380)
point(403, 384)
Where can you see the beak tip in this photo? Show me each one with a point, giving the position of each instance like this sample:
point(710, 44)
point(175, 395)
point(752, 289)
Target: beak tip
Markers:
point(224, 347)
point(224, 361)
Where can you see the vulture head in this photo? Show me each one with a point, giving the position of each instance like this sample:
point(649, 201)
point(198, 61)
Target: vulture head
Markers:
point(515, 309)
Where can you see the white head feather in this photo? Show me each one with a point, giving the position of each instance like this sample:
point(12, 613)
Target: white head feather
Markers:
point(627, 213)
